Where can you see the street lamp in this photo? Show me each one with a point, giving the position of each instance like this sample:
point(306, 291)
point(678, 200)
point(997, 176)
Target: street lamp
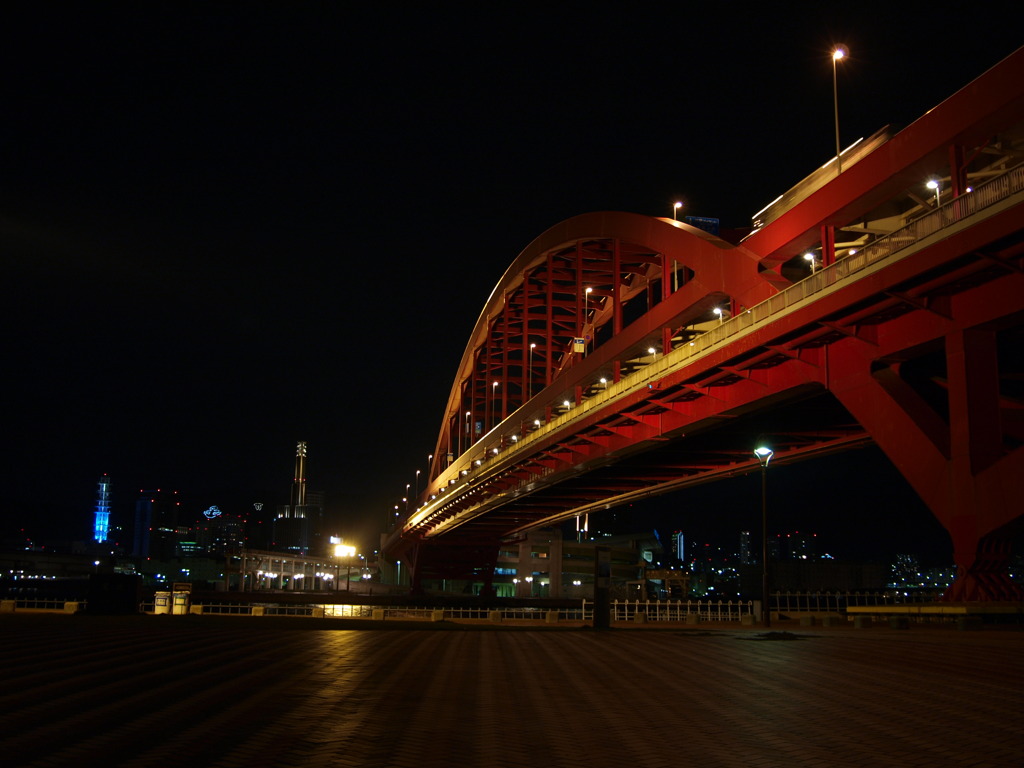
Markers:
point(529, 379)
point(813, 262)
point(839, 53)
point(346, 552)
point(586, 317)
point(764, 455)
point(494, 404)
point(933, 184)
point(675, 210)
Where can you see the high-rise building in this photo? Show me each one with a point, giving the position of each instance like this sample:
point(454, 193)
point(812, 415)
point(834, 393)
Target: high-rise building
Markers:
point(297, 527)
point(679, 546)
point(746, 549)
point(101, 515)
point(157, 524)
point(802, 545)
point(220, 535)
point(793, 546)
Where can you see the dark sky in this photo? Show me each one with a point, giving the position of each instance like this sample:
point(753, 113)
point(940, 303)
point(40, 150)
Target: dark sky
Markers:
point(226, 227)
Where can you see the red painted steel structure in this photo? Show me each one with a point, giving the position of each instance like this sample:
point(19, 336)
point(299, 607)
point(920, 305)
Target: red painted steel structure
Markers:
point(622, 356)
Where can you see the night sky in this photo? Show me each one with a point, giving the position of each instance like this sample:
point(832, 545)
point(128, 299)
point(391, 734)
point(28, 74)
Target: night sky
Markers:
point(226, 227)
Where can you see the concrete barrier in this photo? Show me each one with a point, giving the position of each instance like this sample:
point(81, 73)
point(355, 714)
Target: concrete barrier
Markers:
point(318, 612)
point(437, 615)
point(378, 614)
point(179, 603)
point(640, 617)
point(258, 610)
point(162, 603)
point(7, 606)
point(195, 610)
point(693, 618)
point(70, 607)
point(551, 617)
point(494, 616)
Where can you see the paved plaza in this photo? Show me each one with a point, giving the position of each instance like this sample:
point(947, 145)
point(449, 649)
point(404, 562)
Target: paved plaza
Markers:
point(238, 692)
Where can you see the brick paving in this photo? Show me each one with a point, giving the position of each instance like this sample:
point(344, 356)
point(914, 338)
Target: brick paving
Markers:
point(247, 692)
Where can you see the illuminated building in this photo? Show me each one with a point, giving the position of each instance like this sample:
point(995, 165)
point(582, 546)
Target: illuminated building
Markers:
point(297, 525)
point(220, 534)
point(101, 516)
point(544, 564)
point(746, 549)
point(679, 546)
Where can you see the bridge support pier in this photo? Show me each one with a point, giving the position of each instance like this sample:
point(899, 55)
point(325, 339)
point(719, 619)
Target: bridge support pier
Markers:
point(473, 562)
point(952, 442)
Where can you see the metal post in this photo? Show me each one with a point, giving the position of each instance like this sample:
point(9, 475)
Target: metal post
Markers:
point(835, 104)
point(602, 585)
point(764, 455)
point(766, 611)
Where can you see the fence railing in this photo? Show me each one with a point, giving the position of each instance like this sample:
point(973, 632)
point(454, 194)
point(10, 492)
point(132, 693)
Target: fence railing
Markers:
point(681, 610)
point(621, 611)
point(42, 605)
point(838, 602)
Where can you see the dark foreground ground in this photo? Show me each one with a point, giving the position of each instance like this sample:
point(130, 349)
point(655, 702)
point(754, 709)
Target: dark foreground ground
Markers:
point(238, 691)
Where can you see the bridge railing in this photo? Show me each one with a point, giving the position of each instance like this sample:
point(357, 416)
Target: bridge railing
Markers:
point(942, 218)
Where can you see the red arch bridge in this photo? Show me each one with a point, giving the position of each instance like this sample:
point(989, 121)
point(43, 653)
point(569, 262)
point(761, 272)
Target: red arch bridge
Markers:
point(622, 356)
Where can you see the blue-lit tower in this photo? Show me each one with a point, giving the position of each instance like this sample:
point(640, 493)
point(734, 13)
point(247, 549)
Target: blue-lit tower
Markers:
point(101, 519)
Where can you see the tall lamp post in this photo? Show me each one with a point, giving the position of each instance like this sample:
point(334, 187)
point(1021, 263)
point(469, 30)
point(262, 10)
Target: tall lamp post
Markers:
point(839, 53)
point(494, 405)
point(675, 210)
point(529, 377)
point(764, 455)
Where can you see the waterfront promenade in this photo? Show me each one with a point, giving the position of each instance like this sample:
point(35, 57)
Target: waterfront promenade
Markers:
point(243, 692)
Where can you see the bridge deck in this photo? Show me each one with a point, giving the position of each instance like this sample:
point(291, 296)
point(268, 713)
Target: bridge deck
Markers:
point(169, 691)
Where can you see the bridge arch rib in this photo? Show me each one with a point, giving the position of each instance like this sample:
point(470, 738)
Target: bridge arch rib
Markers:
point(585, 302)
